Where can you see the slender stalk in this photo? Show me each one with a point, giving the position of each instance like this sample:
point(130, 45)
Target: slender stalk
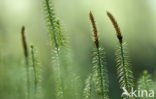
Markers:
point(34, 68)
point(51, 19)
point(26, 60)
point(99, 74)
point(58, 42)
point(90, 86)
point(124, 71)
point(96, 41)
point(145, 82)
point(123, 63)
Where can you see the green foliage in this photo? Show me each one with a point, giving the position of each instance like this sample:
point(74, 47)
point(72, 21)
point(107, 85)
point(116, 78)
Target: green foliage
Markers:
point(57, 40)
point(100, 73)
point(124, 71)
point(61, 61)
point(145, 82)
point(54, 27)
point(37, 78)
point(88, 90)
point(97, 84)
point(26, 56)
point(26, 80)
point(34, 64)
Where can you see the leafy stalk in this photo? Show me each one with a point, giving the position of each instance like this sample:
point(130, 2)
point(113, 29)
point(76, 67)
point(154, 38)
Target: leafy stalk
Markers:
point(124, 71)
point(59, 47)
point(54, 27)
point(34, 64)
point(97, 83)
point(88, 90)
point(145, 82)
point(36, 71)
point(26, 60)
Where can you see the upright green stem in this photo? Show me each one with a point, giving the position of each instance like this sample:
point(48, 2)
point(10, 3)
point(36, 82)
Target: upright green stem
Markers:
point(60, 76)
point(34, 68)
point(124, 72)
point(90, 90)
point(123, 63)
point(101, 76)
point(51, 22)
point(58, 40)
point(124, 68)
point(27, 75)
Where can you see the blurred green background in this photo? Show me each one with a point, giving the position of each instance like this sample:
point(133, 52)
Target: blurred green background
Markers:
point(137, 20)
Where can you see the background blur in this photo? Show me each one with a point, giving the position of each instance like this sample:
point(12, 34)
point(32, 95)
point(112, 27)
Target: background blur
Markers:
point(137, 20)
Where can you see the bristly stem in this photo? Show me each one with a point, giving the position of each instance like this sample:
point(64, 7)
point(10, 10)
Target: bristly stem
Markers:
point(123, 63)
point(58, 42)
point(96, 41)
point(125, 73)
point(51, 20)
point(145, 82)
point(26, 59)
point(101, 75)
point(120, 38)
point(34, 67)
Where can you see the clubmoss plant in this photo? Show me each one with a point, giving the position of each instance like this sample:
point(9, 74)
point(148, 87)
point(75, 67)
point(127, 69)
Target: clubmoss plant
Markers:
point(36, 72)
point(97, 82)
point(124, 71)
point(60, 51)
point(26, 60)
point(36, 68)
point(88, 90)
point(145, 82)
point(54, 27)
